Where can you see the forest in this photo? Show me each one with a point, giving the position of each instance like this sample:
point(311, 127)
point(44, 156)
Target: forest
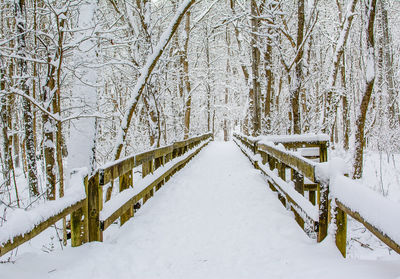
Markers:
point(86, 82)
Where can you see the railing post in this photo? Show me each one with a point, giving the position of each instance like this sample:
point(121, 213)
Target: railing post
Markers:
point(323, 202)
point(311, 197)
point(282, 175)
point(255, 151)
point(95, 233)
point(86, 213)
point(341, 230)
point(175, 152)
point(323, 198)
point(168, 157)
point(77, 236)
point(147, 167)
point(298, 180)
point(323, 153)
point(125, 182)
point(76, 227)
point(158, 162)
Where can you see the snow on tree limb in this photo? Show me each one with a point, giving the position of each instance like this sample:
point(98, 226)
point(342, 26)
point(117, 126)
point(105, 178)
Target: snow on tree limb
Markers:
point(145, 74)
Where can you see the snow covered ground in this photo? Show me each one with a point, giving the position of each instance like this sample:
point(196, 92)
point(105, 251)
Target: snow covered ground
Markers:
point(216, 218)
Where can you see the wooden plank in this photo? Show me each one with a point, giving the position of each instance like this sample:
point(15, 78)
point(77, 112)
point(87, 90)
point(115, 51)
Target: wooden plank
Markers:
point(158, 162)
point(179, 144)
point(312, 196)
point(377, 232)
point(302, 144)
point(282, 175)
point(144, 157)
point(298, 180)
point(85, 208)
point(323, 153)
point(162, 151)
point(113, 172)
point(311, 187)
point(20, 239)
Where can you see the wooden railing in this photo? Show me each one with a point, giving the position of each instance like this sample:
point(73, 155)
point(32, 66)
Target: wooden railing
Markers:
point(271, 157)
point(307, 175)
point(90, 216)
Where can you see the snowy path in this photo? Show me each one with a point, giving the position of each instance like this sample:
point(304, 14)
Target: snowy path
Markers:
point(215, 219)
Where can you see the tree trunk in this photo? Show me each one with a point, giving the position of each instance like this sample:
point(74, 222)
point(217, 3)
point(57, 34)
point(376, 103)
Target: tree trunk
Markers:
point(7, 149)
point(269, 90)
point(332, 99)
point(394, 115)
point(255, 106)
point(188, 92)
point(295, 94)
point(345, 108)
point(26, 105)
point(370, 7)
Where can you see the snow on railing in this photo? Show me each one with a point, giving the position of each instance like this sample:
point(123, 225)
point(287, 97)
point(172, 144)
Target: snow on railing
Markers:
point(83, 198)
point(344, 195)
point(350, 197)
point(23, 225)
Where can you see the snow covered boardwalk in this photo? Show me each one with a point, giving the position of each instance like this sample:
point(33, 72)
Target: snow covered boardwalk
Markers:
point(216, 218)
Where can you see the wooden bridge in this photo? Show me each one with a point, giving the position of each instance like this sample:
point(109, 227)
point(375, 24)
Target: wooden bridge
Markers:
point(218, 218)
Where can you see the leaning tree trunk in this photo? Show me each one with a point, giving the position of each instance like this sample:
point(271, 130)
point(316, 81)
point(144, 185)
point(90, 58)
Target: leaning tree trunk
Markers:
point(146, 71)
point(370, 6)
point(332, 99)
point(187, 96)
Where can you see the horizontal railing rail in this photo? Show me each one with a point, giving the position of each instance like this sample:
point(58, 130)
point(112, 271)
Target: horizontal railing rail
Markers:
point(273, 160)
point(90, 216)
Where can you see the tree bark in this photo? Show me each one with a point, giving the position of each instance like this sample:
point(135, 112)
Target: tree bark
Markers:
point(255, 106)
point(394, 115)
point(370, 7)
point(26, 105)
point(187, 96)
point(295, 94)
point(332, 99)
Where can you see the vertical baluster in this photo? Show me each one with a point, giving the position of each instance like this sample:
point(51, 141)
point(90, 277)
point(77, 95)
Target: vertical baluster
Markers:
point(341, 230)
point(95, 233)
point(125, 182)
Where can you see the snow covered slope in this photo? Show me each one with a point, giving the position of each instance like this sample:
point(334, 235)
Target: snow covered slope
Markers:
point(216, 218)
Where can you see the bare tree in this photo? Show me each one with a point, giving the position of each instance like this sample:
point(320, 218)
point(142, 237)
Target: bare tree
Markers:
point(370, 8)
